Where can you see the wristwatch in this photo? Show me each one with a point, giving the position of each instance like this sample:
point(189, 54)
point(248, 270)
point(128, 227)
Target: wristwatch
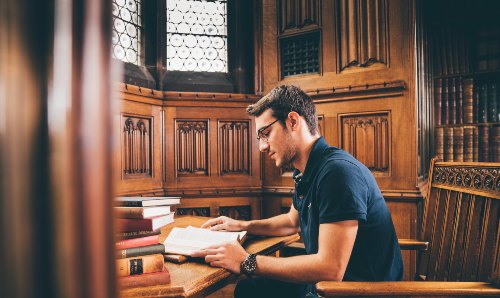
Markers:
point(249, 265)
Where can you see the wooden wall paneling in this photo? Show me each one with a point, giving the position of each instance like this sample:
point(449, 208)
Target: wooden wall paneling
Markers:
point(367, 137)
point(191, 147)
point(362, 33)
point(231, 149)
point(294, 15)
point(384, 126)
point(234, 147)
point(139, 162)
point(404, 214)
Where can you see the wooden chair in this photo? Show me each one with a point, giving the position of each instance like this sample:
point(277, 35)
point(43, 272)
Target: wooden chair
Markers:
point(461, 224)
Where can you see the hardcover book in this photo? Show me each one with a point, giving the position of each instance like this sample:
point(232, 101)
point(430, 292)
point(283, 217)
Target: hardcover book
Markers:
point(136, 234)
point(145, 280)
point(147, 201)
point(185, 241)
point(157, 248)
point(145, 224)
point(139, 265)
point(141, 212)
point(137, 242)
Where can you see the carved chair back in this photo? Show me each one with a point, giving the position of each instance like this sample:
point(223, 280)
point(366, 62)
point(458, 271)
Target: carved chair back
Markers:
point(461, 222)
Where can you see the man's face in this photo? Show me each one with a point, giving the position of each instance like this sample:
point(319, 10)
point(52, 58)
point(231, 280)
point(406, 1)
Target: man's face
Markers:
point(275, 140)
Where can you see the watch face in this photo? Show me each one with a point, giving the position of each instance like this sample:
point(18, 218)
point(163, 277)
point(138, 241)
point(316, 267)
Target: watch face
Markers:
point(249, 265)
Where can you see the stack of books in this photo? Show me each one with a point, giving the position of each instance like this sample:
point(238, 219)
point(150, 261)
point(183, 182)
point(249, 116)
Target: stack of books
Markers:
point(139, 251)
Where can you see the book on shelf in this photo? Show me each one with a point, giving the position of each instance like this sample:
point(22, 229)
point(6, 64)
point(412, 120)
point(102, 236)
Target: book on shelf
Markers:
point(141, 212)
point(495, 141)
point(468, 143)
point(468, 101)
point(139, 265)
point(185, 241)
point(459, 101)
point(452, 104)
point(439, 132)
point(445, 117)
point(484, 147)
point(458, 144)
point(492, 102)
point(448, 144)
point(136, 234)
point(146, 201)
point(136, 242)
point(475, 148)
point(144, 224)
point(145, 280)
point(438, 85)
point(483, 103)
point(157, 248)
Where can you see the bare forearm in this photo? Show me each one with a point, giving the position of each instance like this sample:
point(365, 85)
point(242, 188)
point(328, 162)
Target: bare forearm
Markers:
point(279, 225)
point(300, 269)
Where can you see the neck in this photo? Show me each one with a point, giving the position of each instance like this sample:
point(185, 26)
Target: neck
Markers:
point(305, 148)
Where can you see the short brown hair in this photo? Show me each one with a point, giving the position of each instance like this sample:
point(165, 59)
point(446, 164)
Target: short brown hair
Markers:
point(285, 99)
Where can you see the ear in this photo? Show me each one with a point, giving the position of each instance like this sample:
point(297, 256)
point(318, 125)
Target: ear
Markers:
point(294, 120)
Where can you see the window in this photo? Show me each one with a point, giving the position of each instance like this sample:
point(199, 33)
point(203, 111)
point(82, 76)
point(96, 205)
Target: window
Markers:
point(126, 30)
point(186, 45)
point(196, 35)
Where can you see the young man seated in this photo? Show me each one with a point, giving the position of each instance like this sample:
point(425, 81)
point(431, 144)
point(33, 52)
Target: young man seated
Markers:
point(337, 208)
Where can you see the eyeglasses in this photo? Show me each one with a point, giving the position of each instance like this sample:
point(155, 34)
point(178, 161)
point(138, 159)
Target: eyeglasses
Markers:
point(263, 137)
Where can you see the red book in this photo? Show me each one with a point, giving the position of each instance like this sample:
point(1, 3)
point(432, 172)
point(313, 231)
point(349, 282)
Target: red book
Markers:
point(145, 280)
point(137, 242)
point(145, 224)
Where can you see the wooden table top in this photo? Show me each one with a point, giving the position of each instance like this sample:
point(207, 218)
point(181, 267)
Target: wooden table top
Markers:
point(195, 278)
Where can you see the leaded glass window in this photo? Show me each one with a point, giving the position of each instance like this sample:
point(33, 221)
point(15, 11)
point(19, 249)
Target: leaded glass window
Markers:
point(127, 30)
point(197, 35)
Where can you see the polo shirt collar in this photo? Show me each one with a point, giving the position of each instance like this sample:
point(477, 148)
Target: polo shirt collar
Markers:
point(313, 161)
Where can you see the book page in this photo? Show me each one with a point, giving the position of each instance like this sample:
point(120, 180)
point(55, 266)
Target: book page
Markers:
point(187, 240)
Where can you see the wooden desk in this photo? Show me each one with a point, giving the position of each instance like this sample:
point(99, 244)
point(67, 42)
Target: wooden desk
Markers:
point(197, 279)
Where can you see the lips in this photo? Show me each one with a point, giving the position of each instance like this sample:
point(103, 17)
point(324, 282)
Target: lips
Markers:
point(271, 154)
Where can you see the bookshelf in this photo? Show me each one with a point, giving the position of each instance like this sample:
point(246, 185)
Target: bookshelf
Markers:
point(466, 83)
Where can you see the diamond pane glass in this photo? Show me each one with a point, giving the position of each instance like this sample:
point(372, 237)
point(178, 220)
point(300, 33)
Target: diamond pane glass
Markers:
point(197, 35)
point(126, 30)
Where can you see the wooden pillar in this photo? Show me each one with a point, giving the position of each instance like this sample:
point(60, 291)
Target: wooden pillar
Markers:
point(56, 224)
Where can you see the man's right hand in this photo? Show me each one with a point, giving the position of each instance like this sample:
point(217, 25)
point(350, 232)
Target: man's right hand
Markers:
point(224, 223)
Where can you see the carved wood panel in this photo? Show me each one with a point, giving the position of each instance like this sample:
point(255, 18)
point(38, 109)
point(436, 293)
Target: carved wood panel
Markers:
point(366, 137)
point(362, 30)
point(137, 147)
point(234, 147)
point(237, 212)
point(296, 14)
point(191, 147)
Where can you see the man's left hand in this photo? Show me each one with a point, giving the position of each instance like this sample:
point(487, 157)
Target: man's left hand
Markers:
point(228, 255)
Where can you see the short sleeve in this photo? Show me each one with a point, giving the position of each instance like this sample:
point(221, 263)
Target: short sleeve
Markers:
point(341, 192)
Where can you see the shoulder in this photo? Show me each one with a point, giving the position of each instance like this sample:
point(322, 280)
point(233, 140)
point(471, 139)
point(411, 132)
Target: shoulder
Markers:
point(342, 169)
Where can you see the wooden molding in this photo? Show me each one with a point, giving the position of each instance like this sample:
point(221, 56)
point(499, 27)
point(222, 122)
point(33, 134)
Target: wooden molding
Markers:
point(366, 91)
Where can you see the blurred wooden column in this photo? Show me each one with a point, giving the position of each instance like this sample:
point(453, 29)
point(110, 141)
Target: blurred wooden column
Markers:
point(56, 226)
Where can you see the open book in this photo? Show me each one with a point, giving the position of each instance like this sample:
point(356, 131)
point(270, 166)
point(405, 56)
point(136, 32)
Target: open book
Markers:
point(184, 241)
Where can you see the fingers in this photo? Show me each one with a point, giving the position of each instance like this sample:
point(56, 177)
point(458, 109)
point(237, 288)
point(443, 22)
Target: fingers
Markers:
point(212, 258)
point(211, 222)
point(222, 226)
point(211, 250)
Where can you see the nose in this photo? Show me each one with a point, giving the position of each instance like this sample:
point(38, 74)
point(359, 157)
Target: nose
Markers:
point(263, 146)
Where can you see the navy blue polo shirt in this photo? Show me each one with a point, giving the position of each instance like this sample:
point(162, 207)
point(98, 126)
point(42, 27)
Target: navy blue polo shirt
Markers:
point(336, 187)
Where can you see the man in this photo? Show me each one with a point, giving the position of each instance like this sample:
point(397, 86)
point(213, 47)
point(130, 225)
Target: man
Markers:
point(337, 207)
